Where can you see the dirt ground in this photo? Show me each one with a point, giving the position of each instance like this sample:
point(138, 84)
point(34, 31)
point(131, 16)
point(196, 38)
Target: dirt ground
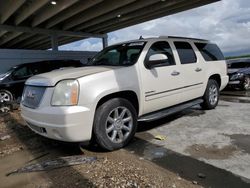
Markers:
point(20, 146)
point(199, 149)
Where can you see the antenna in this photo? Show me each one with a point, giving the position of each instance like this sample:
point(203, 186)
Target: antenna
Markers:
point(141, 38)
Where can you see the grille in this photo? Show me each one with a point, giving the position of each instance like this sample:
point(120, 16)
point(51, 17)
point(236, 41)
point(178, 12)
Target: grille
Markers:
point(32, 96)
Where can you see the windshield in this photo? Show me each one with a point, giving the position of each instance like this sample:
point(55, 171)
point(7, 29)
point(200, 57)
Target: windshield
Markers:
point(118, 55)
point(239, 65)
point(4, 72)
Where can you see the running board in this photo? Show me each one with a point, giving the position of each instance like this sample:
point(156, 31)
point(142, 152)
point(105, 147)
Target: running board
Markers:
point(168, 111)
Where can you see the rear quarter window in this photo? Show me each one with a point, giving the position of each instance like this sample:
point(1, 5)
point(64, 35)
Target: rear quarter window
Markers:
point(210, 52)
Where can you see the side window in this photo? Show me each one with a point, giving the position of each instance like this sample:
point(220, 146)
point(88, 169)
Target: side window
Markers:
point(36, 68)
point(210, 52)
point(185, 52)
point(111, 57)
point(162, 47)
point(22, 72)
point(133, 54)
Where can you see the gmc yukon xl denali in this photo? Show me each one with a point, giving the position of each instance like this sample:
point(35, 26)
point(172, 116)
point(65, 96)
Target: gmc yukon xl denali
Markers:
point(140, 80)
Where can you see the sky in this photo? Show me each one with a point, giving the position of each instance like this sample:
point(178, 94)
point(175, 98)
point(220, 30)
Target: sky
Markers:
point(226, 23)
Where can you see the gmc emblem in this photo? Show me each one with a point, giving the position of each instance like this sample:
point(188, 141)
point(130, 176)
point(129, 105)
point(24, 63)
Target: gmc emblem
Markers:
point(31, 94)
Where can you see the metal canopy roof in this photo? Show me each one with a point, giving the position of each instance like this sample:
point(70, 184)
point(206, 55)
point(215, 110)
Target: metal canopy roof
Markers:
point(33, 24)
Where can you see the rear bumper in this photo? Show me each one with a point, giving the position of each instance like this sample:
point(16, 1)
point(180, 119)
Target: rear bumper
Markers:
point(70, 124)
point(235, 82)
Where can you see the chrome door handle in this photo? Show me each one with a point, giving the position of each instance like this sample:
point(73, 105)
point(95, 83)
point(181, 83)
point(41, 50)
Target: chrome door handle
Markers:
point(198, 69)
point(175, 73)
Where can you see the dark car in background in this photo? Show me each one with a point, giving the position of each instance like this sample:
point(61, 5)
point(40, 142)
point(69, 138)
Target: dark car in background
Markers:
point(12, 81)
point(239, 73)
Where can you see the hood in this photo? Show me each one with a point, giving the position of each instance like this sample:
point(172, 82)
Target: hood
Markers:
point(51, 78)
point(239, 70)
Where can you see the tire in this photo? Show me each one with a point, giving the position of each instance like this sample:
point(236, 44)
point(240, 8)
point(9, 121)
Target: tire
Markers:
point(211, 96)
point(110, 130)
point(246, 84)
point(5, 96)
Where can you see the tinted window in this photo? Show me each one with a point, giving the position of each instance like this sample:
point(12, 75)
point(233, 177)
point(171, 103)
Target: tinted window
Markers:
point(132, 55)
point(38, 68)
point(22, 72)
point(185, 52)
point(210, 52)
point(162, 47)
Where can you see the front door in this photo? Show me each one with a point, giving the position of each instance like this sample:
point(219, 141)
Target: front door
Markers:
point(161, 83)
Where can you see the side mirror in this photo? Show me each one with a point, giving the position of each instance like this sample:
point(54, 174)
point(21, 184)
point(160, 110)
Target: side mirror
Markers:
point(155, 60)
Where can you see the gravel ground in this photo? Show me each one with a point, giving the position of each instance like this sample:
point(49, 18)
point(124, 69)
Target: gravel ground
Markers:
point(20, 146)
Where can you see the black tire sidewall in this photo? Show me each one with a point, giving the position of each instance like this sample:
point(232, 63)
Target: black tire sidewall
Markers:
point(101, 115)
point(206, 104)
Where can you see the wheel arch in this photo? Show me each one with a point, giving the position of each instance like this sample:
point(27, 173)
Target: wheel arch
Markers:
point(217, 78)
point(130, 95)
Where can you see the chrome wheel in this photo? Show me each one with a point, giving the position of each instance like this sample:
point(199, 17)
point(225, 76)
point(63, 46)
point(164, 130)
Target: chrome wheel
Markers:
point(213, 94)
point(119, 124)
point(4, 97)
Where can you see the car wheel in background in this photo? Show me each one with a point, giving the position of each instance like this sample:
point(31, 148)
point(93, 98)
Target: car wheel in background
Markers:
point(6, 98)
point(246, 83)
point(115, 123)
point(211, 96)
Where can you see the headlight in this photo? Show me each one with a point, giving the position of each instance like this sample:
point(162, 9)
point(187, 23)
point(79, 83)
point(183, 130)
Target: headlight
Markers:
point(237, 76)
point(65, 93)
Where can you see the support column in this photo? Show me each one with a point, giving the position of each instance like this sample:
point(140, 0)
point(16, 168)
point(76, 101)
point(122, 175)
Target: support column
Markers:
point(105, 41)
point(54, 42)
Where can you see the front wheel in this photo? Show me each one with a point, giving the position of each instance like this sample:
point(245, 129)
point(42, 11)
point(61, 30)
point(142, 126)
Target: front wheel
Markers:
point(211, 96)
point(246, 84)
point(115, 123)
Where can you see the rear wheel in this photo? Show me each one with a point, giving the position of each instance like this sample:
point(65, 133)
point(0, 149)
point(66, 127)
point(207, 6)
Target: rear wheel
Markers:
point(115, 123)
point(211, 96)
point(246, 83)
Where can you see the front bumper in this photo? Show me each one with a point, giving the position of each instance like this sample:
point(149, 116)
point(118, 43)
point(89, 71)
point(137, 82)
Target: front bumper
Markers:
point(235, 82)
point(70, 124)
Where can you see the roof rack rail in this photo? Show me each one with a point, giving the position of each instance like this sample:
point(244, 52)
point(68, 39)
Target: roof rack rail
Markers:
point(176, 37)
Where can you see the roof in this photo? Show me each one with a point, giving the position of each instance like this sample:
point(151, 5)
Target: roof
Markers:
point(29, 24)
point(142, 39)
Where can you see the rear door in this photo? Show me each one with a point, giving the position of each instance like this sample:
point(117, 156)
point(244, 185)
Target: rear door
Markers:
point(192, 70)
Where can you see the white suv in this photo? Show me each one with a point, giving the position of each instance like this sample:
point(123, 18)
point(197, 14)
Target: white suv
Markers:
point(140, 80)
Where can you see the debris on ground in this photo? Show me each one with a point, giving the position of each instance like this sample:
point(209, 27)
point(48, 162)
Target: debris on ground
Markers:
point(4, 137)
point(54, 164)
point(195, 182)
point(10, 150)
point(39, 157)
point(160, 137)
point(201, 175)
